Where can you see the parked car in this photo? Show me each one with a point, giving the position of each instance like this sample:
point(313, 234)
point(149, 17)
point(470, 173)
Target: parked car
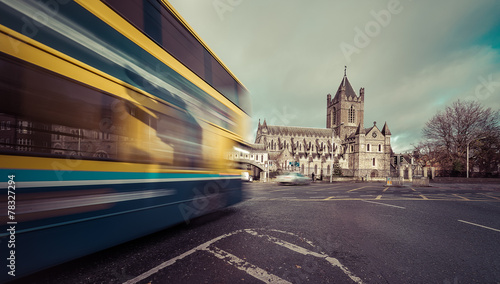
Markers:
point(292, 178)
point(245, 176)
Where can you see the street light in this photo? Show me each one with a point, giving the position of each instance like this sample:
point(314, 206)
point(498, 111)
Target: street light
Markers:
point(480, 138)
point(331, 164)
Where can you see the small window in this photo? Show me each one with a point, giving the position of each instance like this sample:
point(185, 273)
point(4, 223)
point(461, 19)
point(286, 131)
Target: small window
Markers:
point(374, 162)
point(367, 147)
point(379, 148)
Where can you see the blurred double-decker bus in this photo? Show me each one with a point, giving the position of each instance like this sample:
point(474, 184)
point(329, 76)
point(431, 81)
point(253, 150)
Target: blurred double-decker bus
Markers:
point(115, 118)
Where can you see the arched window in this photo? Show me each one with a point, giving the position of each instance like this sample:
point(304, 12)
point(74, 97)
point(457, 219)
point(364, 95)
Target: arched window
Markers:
point(334, 116)
point(374, 162)
point(379, 148)
point(352, 116)
point(367, 147)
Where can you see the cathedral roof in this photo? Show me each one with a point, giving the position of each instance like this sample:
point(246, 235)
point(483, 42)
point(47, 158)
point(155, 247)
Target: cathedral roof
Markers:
point(345, 86)
point(299, 131)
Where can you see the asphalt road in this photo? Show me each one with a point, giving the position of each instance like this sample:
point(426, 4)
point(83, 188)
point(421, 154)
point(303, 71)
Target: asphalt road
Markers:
point(319, 233)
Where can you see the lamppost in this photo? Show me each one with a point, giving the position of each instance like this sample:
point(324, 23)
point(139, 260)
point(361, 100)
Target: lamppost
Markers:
point(333, 149)
point(477, 139)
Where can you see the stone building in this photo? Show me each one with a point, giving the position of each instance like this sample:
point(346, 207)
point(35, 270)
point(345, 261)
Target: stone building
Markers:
point(344, 144)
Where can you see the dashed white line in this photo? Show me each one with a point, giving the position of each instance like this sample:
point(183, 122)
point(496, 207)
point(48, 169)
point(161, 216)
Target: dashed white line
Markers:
point(470, 223)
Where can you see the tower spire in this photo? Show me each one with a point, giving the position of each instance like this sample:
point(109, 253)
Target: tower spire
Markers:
point(345, 69)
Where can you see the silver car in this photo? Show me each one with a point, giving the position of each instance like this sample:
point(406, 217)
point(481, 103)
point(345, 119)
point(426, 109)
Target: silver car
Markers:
point(292, 178)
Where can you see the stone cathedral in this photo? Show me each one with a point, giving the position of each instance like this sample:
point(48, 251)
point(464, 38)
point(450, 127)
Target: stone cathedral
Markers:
point(345, 143)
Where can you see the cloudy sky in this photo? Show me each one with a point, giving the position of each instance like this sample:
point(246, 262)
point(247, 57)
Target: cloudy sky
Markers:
point(412, 57)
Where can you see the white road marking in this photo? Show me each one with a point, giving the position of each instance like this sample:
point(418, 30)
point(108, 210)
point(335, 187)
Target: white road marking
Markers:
point(333, 261)
point(249, 268)
point(470, 223)
point(383, 204)
point(169, 262)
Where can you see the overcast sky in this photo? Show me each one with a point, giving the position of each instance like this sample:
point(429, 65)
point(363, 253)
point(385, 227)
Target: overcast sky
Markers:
point(412, 57)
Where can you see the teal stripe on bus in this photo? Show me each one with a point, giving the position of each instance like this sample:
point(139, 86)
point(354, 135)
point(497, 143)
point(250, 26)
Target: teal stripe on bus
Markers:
point(55, 175)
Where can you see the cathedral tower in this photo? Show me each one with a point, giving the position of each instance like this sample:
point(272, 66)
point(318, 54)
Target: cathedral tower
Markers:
point(346, 108)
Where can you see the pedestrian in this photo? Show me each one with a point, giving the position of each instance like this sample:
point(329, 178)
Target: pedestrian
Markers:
point(312, 176)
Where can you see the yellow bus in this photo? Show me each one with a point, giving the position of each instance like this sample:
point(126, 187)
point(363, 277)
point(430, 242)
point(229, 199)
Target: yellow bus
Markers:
point(115, 121)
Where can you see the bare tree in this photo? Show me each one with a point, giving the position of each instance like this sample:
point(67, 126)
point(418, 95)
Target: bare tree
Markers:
point(463, 123)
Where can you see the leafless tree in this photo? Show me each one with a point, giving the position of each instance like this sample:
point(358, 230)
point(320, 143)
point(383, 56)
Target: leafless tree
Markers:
point(447, 134)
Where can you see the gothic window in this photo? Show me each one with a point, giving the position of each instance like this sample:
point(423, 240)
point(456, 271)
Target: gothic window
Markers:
point(334, 116)
point(352, 112)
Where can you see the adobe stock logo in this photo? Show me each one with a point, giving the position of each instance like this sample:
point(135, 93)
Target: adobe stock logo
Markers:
point(363, 38)
point(485, 89)
point(224, 6)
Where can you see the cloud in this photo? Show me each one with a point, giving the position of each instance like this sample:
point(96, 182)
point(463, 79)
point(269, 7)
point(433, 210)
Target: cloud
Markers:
point(289, 56)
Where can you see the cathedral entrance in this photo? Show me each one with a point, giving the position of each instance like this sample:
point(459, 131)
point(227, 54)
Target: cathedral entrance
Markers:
point(374, 174)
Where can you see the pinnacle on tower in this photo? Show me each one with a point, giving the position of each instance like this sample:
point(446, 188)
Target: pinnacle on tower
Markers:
point(386, 130)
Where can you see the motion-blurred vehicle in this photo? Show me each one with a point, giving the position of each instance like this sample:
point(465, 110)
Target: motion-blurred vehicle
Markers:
point(115, 122)
point(292, 178)
point(245, 176)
